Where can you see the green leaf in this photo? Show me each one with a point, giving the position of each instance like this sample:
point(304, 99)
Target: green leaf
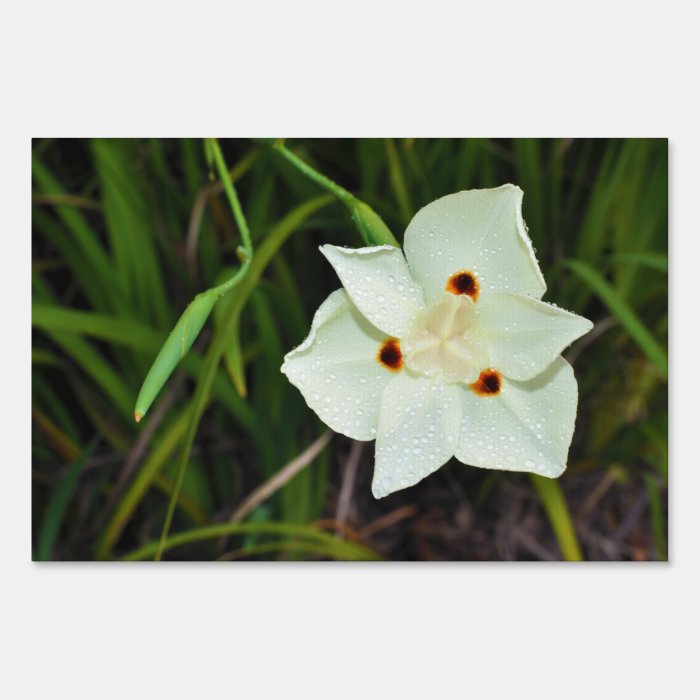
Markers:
point(619, 308)
point(655, 261)
point(233, 354)
point(139, 337)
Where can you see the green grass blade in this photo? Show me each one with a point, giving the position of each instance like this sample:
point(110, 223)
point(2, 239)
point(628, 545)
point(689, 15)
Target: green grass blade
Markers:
point(659, 443)
point(143, 480)
point(658, 522)
point(188, 504)
point(233, 359)
point(397, 180)
point(43, 357)
point(557, 511)
point(597, 224)
point(85, 237)
point(199, 403)
point(233, 354)
point(285, 293)
point(343, 548)
point(90, 361)
point(654, 261)
point(370, 164)
point(43, 393)
point(58, 504)
point(130, 224)
point(139, 337)
point(296, 547)
point(270, 385)
point(619, 308)
point(101, 296)
point(112, 328)
point(60, 442)
point(528, 166)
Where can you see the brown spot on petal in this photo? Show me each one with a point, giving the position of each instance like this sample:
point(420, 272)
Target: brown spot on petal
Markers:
point(488, 384)
point(463, 282)
point(390, 355)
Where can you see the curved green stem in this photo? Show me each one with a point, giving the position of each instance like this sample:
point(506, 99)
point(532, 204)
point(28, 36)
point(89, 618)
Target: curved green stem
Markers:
point(269, 247)
point(194, 317)
point(325, 182)
point(350, 550)
point(370, 225)
point(225, 177)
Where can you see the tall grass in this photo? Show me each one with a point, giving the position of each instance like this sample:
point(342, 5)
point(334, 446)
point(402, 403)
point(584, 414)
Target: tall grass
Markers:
point(127, 232)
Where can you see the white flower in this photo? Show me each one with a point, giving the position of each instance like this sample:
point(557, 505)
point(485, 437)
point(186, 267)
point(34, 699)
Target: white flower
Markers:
point(447, 351)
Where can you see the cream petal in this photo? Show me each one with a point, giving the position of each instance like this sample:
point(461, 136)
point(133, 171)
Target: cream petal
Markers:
point(336, 368)
point(527, 427)
point(379, 283)
point(523, 336)
point(418, 431)
point(477, 231)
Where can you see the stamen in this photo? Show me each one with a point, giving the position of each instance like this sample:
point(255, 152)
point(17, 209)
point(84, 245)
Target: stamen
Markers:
point(390, 355)
point(488, 384)
point(463, 282)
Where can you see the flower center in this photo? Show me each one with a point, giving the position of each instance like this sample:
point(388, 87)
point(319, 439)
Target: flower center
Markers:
point(439, 345)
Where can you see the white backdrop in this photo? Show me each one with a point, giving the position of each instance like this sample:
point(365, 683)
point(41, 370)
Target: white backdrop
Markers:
point(340, 630)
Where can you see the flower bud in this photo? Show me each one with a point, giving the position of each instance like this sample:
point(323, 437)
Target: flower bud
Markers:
point(370, 225)
point(175, 348)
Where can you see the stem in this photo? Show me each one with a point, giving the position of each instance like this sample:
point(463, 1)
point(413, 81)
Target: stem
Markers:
point(196, 314)
point(269, 247)
point(199, 402)
point(229, 284)
point(557, 511)
point(326, 183)
point(368, 223)
point(211, 362)
point(307, 532)
point(225, 177)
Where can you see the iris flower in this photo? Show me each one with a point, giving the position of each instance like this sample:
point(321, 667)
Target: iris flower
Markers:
point(445, 349)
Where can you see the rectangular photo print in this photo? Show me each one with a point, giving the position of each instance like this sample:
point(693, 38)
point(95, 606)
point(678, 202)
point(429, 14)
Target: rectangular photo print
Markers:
point(380, 350)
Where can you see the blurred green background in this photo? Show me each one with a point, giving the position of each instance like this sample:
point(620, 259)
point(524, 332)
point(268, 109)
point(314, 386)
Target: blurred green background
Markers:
point(126, 232)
